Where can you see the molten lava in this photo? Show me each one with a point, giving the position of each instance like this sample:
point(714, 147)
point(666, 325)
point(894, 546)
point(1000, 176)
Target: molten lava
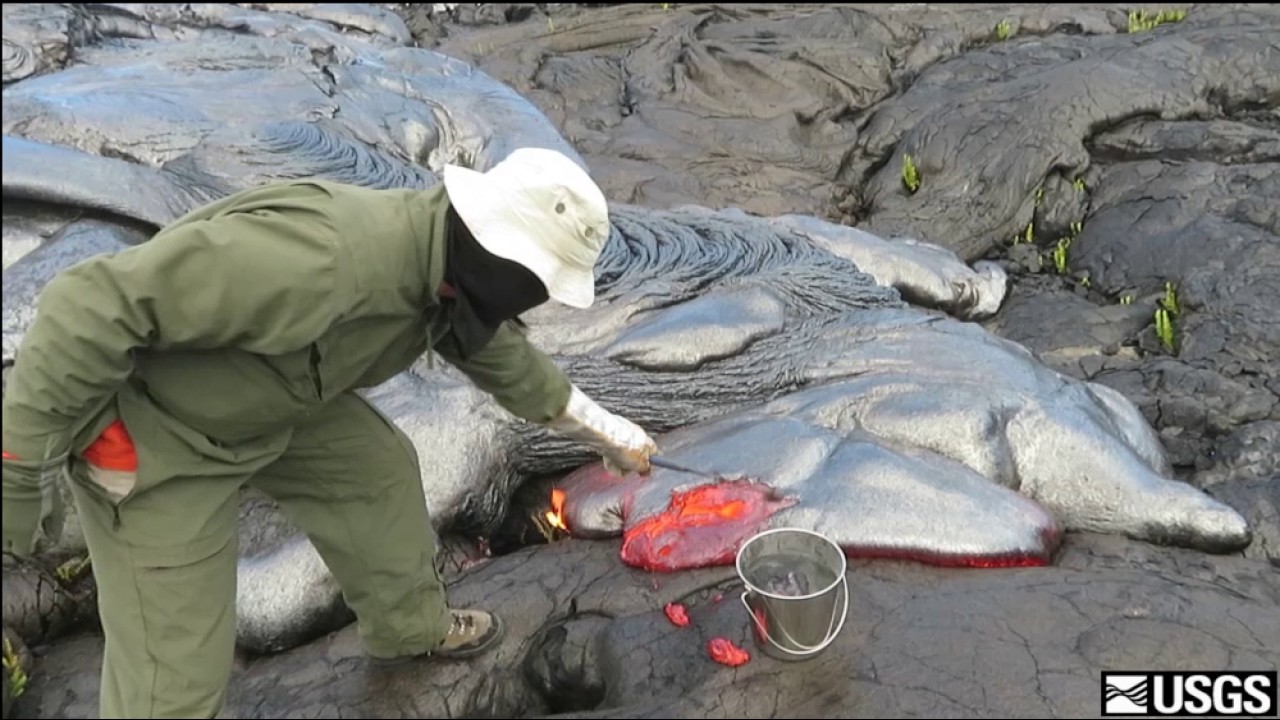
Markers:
point(677, 614)
point(702, 526)
point(723, 651)
point(555, 516)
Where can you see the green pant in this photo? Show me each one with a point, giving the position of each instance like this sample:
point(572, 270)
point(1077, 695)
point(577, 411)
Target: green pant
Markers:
point(164, 557)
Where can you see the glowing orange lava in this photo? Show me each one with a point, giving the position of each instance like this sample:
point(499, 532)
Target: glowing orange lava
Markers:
point(704, 508)
point(702, 526)
point(555, 516)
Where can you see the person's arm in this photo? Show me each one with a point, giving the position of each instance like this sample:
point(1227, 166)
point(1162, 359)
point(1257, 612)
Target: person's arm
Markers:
point(528, 384)
point(264, 281)
point(519, 376)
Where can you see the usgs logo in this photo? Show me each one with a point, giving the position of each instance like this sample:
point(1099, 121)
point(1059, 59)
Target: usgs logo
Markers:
point(1189, 694)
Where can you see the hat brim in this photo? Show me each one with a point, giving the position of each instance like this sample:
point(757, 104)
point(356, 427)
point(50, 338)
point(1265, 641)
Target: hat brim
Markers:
point(480, 202)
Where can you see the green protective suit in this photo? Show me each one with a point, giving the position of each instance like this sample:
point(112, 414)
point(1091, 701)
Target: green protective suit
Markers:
point(229, 346)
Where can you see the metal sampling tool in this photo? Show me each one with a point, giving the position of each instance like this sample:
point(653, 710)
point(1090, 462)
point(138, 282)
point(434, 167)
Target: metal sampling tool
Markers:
point(662, 462)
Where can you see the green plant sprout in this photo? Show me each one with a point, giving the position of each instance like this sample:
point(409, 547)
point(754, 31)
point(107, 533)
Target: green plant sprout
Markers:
point(1085, 282)
point(1060, 255)
point(1140, 20)
point(1078, 184)
point(1126, 300)
point(72, 569)
point(666, 6)
point(1004, 30)
point(1039, 195)
point(551, 26)
point(910, 176)
point(17, 678)
point(1170, 300)
point(1164, 328)
point(1025, 236)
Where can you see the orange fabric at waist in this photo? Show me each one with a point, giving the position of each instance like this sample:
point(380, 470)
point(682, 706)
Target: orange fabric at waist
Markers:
point(113, 450)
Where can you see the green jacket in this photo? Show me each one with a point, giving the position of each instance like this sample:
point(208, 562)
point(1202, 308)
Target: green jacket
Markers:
point(245, 314)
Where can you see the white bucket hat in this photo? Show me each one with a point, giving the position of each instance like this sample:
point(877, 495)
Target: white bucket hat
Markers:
point(540, 209)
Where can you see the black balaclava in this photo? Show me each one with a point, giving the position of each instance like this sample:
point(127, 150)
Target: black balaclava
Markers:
point(490, 290)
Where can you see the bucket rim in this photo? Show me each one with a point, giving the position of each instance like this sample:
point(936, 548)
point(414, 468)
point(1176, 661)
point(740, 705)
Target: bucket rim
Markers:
point(840, 576)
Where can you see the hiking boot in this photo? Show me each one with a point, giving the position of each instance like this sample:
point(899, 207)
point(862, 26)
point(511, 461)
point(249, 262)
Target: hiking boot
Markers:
point(471, 633)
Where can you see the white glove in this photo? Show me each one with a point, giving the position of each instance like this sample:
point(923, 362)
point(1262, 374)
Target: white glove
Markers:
point(624, 446)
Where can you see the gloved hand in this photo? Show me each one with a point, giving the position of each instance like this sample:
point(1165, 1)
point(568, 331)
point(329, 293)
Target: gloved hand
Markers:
point(625, 447)
point(31, 503)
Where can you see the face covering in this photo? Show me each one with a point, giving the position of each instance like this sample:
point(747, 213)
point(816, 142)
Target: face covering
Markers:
point(490, 290)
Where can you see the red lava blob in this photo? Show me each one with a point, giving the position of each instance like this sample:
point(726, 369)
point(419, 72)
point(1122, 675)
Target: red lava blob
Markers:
point(702, 526)
point(723, 651)
point(677, 614)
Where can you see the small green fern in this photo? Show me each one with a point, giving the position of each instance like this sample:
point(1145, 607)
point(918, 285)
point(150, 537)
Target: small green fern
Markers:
point(1164, 328)
point(1140, 20)
point(72, 569)
point(1060, 255)
point(1004, 30)
point(1170, 300)
point(910, 175)
point(17, 677)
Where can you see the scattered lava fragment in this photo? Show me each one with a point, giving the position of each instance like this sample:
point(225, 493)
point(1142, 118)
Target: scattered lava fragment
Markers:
point(723, 651)
point(677, 614)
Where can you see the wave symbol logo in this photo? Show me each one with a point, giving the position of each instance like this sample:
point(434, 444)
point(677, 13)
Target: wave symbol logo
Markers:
point(1127, 694)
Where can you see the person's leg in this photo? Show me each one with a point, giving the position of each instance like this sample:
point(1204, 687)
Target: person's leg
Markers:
point(350, 479)
point(166, 597)
point(157, 502)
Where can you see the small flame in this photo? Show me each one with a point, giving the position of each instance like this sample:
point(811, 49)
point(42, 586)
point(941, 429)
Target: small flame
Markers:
point(555, 516)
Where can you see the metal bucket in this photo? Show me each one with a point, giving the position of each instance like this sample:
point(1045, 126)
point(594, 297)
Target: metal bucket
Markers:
point(796, 591)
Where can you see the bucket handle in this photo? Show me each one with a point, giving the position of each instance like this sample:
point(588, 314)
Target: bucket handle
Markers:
point(808, 649)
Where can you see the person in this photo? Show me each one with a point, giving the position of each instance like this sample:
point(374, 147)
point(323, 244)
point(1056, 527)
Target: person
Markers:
point(228, 349)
